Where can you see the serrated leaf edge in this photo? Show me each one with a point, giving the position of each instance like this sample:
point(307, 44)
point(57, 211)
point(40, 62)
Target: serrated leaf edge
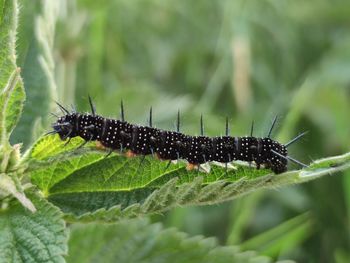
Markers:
point(170, 195)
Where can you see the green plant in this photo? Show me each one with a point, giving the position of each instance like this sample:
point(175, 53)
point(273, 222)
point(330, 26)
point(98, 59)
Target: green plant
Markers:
point(49, 185)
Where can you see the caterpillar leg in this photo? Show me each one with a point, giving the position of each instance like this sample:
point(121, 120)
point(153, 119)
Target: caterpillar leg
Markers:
point(191, 166)
point(130, 154)
point(100, 146)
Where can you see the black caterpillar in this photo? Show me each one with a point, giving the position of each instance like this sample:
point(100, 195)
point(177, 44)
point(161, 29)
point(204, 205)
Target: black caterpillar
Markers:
point(173, 145)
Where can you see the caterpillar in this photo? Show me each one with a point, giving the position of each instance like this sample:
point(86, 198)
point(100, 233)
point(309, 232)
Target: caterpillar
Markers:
point(118, 134)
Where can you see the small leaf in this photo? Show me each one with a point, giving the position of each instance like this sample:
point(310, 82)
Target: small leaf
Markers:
point(9, 186)
point(139, 241)
point(32, 237)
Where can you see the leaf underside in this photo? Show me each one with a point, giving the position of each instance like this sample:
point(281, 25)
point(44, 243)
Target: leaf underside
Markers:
point(89, 186)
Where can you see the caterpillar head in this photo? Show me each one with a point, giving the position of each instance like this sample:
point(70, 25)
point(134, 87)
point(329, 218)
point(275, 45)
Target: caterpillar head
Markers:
point(65, 126)
point(276, 159)
point(279, 162)
point(271, 154)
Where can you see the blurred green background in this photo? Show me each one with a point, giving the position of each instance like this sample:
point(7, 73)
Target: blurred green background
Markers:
point(248, 60)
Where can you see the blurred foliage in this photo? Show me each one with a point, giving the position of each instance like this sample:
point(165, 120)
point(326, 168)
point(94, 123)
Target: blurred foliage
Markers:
point(139, 241)
point(243, 59)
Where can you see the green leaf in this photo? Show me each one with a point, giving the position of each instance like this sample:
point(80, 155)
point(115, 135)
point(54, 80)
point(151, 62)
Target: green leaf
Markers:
point(11, 185)
point(11, 104)
point(11, 87)
point(8, 24)
point(87, 186)
point(139, 241)
point(38, 69)
point(32, 237)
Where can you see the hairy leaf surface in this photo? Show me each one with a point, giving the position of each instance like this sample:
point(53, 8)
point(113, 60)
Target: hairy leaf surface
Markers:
point(88, 185)
point(11, 87)
point(32, 237)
